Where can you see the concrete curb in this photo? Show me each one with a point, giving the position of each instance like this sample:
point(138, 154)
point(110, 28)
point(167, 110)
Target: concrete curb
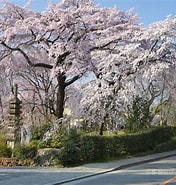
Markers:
point(123, 166)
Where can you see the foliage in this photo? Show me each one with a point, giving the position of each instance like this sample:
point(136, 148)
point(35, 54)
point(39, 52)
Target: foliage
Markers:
point(78, 148)
point(70, 155)
point(87, 148)
point(47, 137)
point(24, 152)
point(59, 137)
point(4, 150)
point(74, 135)
point(34, 143)
point(46, 52)
point(95, 148)
point(165, 147)
point(38, 132)
point(71, 148)
point(138, 116)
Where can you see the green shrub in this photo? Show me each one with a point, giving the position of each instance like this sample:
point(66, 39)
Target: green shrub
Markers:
point(70, 142)
point(167, 146)
point(87, 148)
point(34, 144)
point(39, 132)
point(148, 140)
point(74, 135)
point(76, 149)
point(62, 136)
point(23, 152)
point(59, 137)
point(138, 115)
point(119, 146)
point(70, 155)
point(99, 148)
point(4, 150)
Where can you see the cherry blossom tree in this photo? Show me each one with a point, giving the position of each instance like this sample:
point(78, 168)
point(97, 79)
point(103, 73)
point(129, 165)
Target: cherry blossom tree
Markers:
point(63, 39)
point(144, 56)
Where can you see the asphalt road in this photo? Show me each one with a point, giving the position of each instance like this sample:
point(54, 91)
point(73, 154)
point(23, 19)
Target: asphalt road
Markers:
point(161, 172)
point(37, 176)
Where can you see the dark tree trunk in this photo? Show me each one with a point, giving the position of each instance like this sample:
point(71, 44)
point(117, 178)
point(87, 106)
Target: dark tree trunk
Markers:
point(60, 96)
point(101, 129)
point(105, 121)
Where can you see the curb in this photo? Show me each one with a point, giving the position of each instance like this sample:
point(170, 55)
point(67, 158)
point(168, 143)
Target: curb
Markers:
point(116, 168)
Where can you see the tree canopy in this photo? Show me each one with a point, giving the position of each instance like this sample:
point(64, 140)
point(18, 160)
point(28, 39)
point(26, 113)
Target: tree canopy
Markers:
point(48, 51)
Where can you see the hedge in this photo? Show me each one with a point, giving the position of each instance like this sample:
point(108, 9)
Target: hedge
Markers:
point(99, 148)
point(103, 148)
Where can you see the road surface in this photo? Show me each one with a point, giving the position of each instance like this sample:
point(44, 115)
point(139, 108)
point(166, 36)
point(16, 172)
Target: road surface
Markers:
point(161, 172)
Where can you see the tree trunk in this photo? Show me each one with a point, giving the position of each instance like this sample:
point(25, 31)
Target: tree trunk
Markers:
point(101, 129)
point(105, 120)
point(60, 96)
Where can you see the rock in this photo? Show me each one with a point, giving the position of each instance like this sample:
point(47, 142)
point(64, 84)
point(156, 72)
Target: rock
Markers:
point(26, 134)
point(47, 157)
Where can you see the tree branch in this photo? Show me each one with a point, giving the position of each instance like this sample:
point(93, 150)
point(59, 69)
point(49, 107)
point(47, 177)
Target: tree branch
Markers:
point(27, 58)
point(70, 81)
point(104, 45)
point(62, 57)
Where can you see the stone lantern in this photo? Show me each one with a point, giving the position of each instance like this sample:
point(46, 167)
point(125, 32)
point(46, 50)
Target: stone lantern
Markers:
point(13, 136)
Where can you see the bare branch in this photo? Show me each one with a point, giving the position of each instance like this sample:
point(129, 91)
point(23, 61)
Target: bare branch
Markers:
point(27, 58)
